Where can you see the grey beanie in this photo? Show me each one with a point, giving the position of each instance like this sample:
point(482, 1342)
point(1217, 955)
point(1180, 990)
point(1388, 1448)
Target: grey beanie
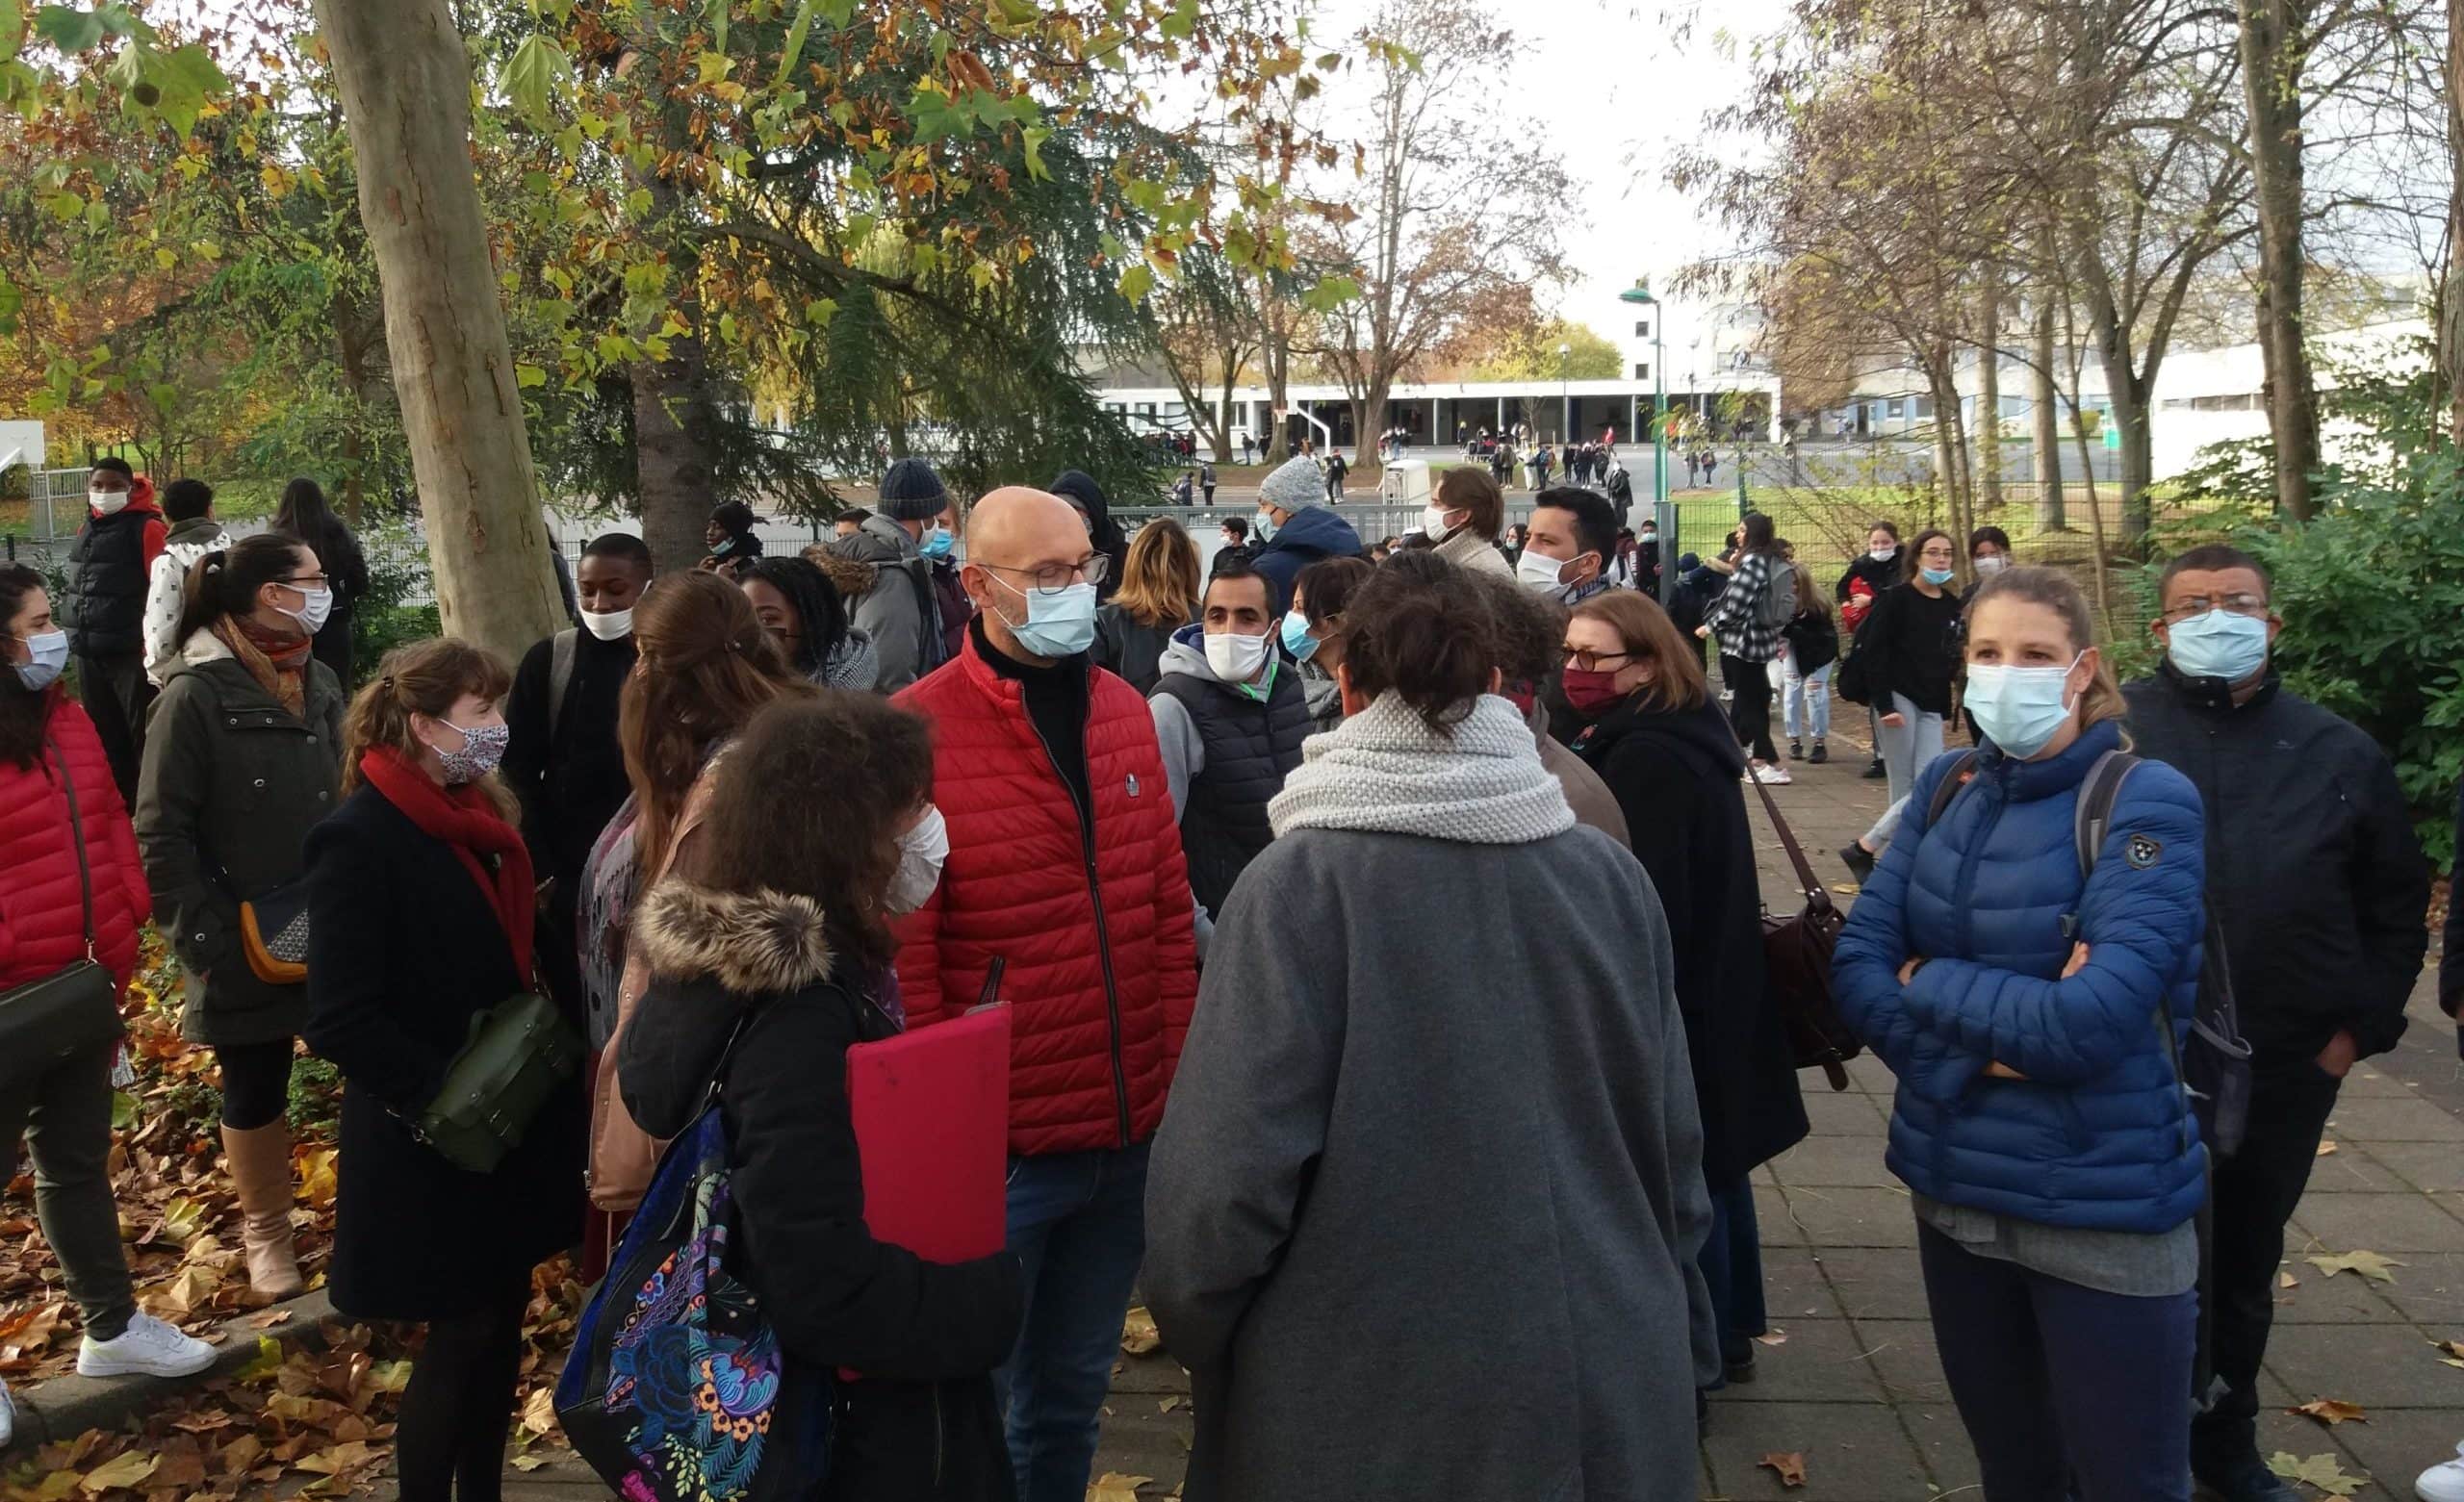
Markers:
point(1294, 487)
point(910, 492)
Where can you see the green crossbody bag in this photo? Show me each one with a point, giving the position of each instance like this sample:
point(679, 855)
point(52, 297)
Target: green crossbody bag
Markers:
point(519, 1052)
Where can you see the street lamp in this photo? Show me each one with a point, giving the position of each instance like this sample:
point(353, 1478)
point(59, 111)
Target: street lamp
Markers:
point(1640, 295)
point(1565, 402)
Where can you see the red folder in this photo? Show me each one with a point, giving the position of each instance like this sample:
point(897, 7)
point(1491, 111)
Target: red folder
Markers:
point(932, 1115)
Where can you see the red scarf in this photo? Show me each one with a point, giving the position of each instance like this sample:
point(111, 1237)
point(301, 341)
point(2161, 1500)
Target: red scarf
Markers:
point(465, 819)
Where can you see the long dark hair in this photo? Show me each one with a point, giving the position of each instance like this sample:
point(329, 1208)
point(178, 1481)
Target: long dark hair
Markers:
point(23, 713)
point(1909, 566)
point(819, 612)
point(704, 669)
point(1757, 535)
point(779, 818)
point(305, 516)
point(225, 583)
point(1420, 627)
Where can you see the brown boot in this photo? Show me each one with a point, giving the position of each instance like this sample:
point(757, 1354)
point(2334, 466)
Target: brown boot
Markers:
point(261, 1171)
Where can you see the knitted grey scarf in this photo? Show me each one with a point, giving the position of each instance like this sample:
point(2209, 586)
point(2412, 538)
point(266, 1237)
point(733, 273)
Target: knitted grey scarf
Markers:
point(1481, 783)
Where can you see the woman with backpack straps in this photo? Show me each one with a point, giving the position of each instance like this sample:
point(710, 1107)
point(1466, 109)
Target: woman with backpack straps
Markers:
point(1747, 626)
point(2040, 1121)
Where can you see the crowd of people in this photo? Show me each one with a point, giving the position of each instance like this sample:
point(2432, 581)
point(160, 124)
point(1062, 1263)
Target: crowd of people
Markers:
point(1247, 851)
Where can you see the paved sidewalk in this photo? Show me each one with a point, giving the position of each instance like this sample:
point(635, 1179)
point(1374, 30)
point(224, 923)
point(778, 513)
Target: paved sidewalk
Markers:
point(1856, 1388)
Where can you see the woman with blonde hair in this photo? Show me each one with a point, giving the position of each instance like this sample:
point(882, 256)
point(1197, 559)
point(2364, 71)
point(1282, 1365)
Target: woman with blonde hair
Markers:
point(2033, 997)
point(706, 668)
point(420, 897)
point(1810, 645)
point(1654, 733)
point(1159, 594)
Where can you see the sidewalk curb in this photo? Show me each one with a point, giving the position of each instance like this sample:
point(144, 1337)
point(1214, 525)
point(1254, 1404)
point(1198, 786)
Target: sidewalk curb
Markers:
point(61, 1408)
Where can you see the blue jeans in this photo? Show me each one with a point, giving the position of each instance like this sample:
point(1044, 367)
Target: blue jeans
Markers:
point(1078, 1224)
point(2065, 1390)
point(1732, 1263)
point(1807, 700)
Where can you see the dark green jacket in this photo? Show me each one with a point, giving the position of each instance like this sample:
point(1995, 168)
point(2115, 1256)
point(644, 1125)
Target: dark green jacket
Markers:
point(233, 784)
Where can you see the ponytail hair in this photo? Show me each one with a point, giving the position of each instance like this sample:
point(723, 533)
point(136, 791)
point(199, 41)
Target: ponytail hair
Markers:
point(429, 678)
point(225, 583)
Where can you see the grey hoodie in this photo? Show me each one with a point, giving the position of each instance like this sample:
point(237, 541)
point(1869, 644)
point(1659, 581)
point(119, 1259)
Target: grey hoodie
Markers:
point(1177, 735)
point(892, 612)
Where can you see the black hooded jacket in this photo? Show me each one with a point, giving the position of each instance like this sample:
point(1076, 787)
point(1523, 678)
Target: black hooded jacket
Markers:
point(2314, 872)
point(921, 1422)
point(1675, 775)
point(1111, 540)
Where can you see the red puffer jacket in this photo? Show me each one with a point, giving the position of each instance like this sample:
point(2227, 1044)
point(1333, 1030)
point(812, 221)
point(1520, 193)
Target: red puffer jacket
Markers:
point(1102, 973)
point(42, 926)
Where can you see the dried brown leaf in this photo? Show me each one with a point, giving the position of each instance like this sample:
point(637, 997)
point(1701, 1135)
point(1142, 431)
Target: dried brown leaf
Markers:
point(1791, 1465)
point(2332, 1411)
point(1138, 1335)
point(1772, 1338)
point(2368, 1264)
point(1114, 1487)
point(127, 1470)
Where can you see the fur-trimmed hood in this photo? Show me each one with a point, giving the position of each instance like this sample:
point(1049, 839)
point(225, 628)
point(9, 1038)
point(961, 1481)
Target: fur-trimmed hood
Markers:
point(854, 579)
point(758, 941)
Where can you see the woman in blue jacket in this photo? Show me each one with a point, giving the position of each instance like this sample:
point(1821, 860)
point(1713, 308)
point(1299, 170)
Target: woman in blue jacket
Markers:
point(2039, 1120)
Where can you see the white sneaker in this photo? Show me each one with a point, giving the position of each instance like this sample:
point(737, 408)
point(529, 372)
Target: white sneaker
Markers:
point(8, 1418)
point(1770, 775)
point(2444, 1482)
point(148, 1346)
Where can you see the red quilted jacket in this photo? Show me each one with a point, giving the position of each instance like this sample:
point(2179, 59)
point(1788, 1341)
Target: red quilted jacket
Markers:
point(42, 927)
point(1102, 973)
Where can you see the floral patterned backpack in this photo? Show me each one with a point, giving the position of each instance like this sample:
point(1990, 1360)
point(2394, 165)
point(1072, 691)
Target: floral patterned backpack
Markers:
point(675, 1387)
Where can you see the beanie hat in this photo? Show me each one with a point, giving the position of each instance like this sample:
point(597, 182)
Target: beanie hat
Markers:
point(1296, 486)
point(910, 492)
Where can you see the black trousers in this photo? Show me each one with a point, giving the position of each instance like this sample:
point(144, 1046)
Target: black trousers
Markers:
point(2255, 1193)
point(1749, 703)
point(117, 695)
point(256, 1082)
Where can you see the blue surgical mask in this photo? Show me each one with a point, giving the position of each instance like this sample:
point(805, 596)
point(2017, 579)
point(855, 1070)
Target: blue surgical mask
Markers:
point(1057, 626)
point(2019, 708)
point(1297, 639)
point(935, 544)
point(2218, 645)
point(1263, 527)
point(50, 651)
point(1937, 578)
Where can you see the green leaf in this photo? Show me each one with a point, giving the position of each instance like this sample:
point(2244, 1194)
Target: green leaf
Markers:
point(1330, 293)
point(527, 376)
point(712, 66)
point(123, 1111)
point(719, 25)
point(1033, 138)
point(72, 29)
point(1136, 282)
point(1182, 23)
point(792, 50)
point(65, 205)
point(12, 28)
point(534, 75)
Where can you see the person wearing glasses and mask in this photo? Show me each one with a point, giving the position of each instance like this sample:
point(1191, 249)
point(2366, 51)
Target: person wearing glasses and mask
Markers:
point(2318, 885)
point(243, 757)
point(1064, 862)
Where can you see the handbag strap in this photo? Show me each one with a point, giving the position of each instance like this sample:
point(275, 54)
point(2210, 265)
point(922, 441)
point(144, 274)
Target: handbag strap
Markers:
point(1806, 878)
point(77, 839)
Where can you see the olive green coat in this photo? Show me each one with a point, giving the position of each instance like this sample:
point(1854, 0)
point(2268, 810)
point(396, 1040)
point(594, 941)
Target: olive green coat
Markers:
point(233, 782)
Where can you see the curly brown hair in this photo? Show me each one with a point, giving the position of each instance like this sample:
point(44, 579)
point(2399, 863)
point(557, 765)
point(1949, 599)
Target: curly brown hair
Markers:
point(1424, 629)
point(782, 818)
point(704, 669)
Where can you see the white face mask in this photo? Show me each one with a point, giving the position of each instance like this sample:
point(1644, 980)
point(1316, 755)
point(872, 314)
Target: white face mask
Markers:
point(922, 851)
point(1990, 563)
point(1236, 658)
point(1433, 519)
point(609, 625)
point(107, 502)
point(317, 607)
point(1540, 573)
point(1884, 554)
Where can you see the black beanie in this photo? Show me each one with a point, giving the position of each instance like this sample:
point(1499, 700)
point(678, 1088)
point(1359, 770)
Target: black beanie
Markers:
point(910, 492)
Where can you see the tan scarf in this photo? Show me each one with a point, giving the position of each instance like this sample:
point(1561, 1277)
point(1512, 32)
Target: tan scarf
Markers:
point(280, 663)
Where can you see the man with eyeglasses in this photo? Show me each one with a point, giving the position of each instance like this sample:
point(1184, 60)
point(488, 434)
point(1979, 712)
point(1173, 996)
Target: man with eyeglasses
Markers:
point(2319, 887)
point(1064, 864)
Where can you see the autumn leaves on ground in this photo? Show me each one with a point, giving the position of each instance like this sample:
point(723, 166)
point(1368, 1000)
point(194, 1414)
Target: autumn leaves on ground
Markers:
point(314, 1404)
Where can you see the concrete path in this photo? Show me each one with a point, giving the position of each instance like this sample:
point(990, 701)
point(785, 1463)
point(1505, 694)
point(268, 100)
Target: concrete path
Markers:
point(1855, 1388)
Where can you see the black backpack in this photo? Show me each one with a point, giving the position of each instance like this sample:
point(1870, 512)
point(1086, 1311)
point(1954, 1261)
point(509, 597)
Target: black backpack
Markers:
point(2215, 1069)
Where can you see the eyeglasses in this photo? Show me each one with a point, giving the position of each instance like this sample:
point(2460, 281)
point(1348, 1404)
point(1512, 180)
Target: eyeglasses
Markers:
point(1053, 578)
point(1592, 662)
point(307, 581)
point(2239, 604)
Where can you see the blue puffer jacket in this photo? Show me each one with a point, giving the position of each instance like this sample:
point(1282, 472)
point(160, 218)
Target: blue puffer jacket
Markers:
point(2098, 1135)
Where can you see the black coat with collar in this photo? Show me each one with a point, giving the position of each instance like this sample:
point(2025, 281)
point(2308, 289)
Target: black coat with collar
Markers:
point(1675, 775)
point(921, 1424)
point(404, 949)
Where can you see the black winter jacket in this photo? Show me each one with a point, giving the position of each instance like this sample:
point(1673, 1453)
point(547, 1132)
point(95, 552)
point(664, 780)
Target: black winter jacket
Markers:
point(1676, 777)
point(1911, 646)
point(2313, 869)
point(921, 1423)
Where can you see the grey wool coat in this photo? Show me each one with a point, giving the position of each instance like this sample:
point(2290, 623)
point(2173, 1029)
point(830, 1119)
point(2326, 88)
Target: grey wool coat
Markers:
point(1423, 1213)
